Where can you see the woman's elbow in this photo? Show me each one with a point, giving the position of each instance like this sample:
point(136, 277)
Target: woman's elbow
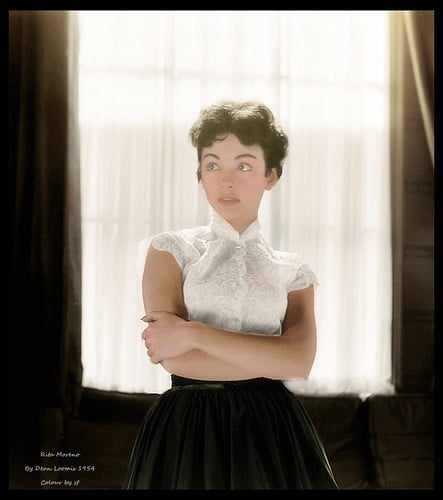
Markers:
point(300, 366)
point(168, 365)
point(297, 371)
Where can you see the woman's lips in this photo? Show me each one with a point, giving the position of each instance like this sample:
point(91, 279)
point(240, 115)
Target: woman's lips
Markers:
point(228, 200)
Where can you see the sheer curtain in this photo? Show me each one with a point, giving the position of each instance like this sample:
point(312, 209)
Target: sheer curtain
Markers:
point(143, 78)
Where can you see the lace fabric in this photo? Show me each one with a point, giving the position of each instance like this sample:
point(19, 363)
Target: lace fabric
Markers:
point(234, 280)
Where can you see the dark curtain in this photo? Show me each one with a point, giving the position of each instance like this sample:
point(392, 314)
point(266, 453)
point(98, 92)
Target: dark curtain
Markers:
point(44, 340)
point(412, 191)
point(419, 28)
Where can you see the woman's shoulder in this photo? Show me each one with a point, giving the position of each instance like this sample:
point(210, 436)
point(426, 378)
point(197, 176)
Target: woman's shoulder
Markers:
point(181, 243)
point(298, 272)
point(291, 258)
point(179, 236)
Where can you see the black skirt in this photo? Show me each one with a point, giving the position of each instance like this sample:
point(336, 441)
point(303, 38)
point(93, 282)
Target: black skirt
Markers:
point(252, 434)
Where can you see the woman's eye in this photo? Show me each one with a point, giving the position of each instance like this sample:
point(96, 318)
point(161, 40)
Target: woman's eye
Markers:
point(244, 167)
point(211, 166)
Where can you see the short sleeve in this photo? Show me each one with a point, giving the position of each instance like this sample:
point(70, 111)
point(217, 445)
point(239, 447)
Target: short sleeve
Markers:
point(298, 274)
point(172, 243)
point(167, 242)
point(304, 277)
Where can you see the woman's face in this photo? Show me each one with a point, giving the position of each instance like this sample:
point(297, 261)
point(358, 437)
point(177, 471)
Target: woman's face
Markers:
point(233, 178)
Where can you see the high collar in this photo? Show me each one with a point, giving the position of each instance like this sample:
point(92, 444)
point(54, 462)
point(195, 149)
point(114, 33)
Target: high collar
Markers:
point(220, 228)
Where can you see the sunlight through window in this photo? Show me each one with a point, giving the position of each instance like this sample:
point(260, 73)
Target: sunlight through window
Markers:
point(144, 76)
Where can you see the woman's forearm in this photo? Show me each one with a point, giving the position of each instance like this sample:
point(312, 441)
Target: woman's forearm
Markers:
point(199, 365)
point(169, 339)
point(284, 357)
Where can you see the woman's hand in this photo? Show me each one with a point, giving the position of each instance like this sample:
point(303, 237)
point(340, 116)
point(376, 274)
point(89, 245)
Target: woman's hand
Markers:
point(165, 336)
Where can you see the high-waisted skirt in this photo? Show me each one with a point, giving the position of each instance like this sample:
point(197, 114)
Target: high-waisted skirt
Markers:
point(251, 434)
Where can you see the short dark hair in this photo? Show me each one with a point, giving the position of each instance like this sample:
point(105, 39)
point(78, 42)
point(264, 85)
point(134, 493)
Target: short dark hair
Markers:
point(251, 122)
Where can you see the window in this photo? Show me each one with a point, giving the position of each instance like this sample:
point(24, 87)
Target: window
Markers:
point(143, 78)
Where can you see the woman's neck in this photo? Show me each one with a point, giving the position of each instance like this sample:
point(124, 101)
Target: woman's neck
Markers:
point(239, 224)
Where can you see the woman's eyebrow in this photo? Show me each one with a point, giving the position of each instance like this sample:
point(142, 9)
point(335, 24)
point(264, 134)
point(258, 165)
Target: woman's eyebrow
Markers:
point(243, 155)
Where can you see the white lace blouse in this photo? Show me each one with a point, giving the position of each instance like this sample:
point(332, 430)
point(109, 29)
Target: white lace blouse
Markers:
point(231, 280)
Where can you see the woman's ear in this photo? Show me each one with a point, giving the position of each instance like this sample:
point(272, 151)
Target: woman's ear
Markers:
point(272, 179)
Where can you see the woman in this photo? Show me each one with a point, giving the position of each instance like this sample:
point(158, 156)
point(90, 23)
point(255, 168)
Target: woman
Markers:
point(230, 318)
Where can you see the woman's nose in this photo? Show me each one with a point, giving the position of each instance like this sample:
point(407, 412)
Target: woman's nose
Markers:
point(226, 179)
